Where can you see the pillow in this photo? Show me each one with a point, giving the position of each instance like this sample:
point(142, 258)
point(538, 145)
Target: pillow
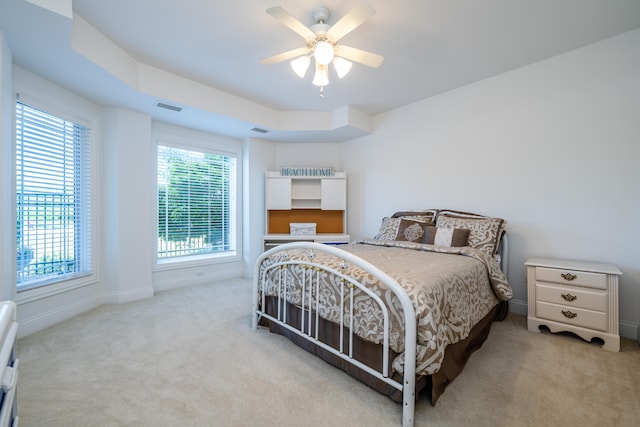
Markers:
point(388, 229)
point(411, 231)
point(400, 229)
point(439, 236)
point(426, 216)
point(484, 232)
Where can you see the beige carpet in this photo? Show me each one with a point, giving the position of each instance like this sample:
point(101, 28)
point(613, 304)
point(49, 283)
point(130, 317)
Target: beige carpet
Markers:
point(188, 357)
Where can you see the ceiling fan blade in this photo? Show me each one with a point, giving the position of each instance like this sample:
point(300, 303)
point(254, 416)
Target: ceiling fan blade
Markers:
point(362, 56)
point(353, 19)
point(292, 23)
point(285, 55)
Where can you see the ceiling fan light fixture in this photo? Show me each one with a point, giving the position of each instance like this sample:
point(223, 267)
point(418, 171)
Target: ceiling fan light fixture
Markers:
point(323, 51)
point(321, 43)
point(300, 65)
point(321, 78)
point(342, 66)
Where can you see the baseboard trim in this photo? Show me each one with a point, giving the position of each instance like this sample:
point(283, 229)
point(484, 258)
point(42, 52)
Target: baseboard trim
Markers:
point(629, 330)
point(518, 307)
point(198, 280)
point(52, 317)
point(122, 297)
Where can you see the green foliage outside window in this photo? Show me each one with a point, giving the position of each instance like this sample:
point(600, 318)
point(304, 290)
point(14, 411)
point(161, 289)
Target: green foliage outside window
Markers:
point(194, 202)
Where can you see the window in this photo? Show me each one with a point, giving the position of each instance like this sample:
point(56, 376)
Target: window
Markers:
point(196, 203)
point(53, 198)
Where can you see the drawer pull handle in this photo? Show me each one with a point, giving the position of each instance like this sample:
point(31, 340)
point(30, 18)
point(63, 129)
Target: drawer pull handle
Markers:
point(569, 276)
point(568, 297)
point(569, 314)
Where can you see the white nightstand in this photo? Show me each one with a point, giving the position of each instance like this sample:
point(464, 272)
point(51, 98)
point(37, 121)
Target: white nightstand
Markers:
point(574, 296)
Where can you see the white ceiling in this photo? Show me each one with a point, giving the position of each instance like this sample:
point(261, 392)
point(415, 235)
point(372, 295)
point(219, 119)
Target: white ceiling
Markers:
point(429, 46)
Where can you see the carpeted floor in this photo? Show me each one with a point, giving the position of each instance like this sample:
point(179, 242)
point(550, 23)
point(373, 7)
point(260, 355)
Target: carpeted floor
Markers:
point(188, 357)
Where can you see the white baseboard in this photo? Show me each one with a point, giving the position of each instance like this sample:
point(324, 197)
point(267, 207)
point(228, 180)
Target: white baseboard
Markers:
point(132, 295)
point(57, 315)
point(629, 330)
point(518, 307)
point(201, 280)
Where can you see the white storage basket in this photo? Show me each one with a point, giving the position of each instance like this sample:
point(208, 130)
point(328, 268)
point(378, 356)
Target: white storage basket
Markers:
point(302, 228)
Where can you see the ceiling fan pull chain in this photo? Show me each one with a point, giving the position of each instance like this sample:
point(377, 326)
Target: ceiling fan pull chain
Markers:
point(321, 91)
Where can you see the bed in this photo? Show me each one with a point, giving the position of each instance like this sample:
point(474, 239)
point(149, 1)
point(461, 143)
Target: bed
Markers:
point(402, 311)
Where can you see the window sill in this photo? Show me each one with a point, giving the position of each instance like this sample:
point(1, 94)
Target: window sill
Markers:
point(195, 261)
point(45, 291)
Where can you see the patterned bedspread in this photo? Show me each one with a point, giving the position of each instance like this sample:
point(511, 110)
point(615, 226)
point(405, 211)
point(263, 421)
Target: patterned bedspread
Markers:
point(451, 290)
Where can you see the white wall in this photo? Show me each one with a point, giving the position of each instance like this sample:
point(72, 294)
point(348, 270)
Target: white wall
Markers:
point(259, 157)
point(128, 201)
point(552, 147)
point(309, 155)
point(7, 218)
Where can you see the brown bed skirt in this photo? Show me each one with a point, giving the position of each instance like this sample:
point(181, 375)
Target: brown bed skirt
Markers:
point(456, 355)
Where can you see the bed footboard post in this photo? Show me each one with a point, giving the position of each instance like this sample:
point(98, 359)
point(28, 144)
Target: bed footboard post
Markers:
point(409, 381)
point(255, 304)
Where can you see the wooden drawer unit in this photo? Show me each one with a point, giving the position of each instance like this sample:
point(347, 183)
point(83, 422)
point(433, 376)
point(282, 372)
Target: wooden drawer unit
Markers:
point(579, 297)
point(572, 277)
point(573, 316)
point(591, 299)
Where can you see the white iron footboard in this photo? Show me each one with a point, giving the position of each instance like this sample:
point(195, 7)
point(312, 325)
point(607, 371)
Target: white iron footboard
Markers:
point(312, 275)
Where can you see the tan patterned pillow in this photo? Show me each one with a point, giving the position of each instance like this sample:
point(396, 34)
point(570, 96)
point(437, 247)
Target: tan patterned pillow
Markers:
point(388, 229)
point(452, 237)
point(400, 229)
point(484, 232)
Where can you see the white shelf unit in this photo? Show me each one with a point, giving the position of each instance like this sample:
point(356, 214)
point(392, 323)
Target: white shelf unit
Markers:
point(299, 199)
point(326, 193)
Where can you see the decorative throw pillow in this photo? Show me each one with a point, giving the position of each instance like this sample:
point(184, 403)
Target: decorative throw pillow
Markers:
point(484, 232)
point(411, 231)
point(400, 229)
point(388, 229)
point(440, 236)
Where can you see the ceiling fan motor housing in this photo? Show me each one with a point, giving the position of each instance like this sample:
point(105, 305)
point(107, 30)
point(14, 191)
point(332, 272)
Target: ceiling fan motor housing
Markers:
point(320, 15)
point(320, 28)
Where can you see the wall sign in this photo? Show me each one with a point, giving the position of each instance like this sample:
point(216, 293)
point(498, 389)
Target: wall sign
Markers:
point(306, 171)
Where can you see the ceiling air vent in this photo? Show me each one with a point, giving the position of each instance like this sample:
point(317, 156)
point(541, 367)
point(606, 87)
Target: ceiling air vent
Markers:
point(260, 130)
point(168, 107)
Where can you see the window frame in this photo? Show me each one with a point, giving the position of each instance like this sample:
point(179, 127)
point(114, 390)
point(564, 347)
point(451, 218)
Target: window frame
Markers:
point(192, 140)
point(74, 110)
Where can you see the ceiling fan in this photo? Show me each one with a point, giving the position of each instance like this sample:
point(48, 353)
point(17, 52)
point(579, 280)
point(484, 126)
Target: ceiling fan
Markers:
point(322, 43)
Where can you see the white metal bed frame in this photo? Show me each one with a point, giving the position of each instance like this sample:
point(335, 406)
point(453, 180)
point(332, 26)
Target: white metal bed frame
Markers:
point(311, 274)
point(348, 284)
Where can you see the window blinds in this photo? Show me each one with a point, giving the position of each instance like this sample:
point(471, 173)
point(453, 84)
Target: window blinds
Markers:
point(53, 198)
point(196, 202)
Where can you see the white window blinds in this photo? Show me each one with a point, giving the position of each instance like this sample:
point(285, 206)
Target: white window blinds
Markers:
point(196, 203)
point(53, 198)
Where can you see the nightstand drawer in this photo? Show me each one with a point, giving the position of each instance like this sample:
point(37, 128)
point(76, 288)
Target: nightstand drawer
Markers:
point(572, 315)
point(572, 296)
point(572, 277)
